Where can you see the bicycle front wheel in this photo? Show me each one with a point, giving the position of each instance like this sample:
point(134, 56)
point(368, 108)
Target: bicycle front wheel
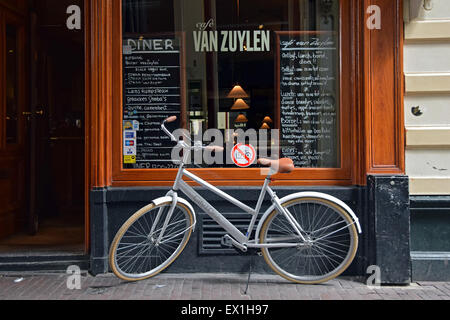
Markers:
point(331, 245)
point(138, 252)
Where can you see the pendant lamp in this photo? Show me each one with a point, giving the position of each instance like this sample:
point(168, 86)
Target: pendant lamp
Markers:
point(237, 93)
point(267, 120)
point(241, 119)
point(240, 104)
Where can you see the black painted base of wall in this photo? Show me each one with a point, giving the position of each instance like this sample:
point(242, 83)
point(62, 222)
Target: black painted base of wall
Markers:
point(430, 266)
point(111, 207)
point(389, 223)
point(48, 262)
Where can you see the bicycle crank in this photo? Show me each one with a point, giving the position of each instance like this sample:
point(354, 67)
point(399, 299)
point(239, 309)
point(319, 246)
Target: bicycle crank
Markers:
point(229, 242)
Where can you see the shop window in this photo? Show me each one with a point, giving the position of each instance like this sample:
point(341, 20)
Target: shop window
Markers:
point(235, 64)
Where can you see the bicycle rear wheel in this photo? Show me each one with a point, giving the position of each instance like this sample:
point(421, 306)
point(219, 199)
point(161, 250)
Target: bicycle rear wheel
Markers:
point(331, 246)
point(135, 253)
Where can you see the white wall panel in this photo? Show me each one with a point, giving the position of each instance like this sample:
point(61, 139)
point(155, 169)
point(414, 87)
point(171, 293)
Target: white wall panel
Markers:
point(434, 109)
point(431, 83)
point(428, 163)
point(429, 186)
point(427, 86)
point(427, 57)
point(440, 10)
point(427, 30)
point(427, 137)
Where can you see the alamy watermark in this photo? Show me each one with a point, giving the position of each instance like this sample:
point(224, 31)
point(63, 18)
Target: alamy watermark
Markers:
point(74, 20)
point(374, 280)
point(74, 278)
point(374, 20)
point(267, 142)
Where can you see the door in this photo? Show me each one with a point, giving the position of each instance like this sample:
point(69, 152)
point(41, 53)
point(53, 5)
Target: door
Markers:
point(41, 129)
point(57, 77)
point(13, 117)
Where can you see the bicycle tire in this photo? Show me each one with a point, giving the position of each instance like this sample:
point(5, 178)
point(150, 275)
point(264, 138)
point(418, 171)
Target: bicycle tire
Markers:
point(146, 248)
point(314, 275)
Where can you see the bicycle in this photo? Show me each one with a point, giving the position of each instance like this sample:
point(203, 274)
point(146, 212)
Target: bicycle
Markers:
point(305, 237)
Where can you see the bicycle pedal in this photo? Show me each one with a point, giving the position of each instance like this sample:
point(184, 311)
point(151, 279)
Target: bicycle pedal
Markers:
point(226, 242)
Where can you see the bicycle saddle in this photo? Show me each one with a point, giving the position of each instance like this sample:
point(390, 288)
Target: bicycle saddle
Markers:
point(284, 165)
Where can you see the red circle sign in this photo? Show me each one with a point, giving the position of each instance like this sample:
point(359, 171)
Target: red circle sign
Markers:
point(243, 155)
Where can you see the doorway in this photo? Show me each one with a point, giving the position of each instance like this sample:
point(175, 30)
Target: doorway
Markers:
point(49, 192)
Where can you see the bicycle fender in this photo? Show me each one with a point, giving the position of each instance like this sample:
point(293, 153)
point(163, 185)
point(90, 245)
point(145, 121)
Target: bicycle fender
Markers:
point(165, 199)
point(306, 195)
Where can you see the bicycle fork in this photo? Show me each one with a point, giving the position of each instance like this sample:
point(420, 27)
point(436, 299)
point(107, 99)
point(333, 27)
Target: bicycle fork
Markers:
point(295, 225)
point(166, 221)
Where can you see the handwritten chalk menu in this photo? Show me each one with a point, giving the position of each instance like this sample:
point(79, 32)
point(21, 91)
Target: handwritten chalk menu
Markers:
point(308, 83)
point(152, 92)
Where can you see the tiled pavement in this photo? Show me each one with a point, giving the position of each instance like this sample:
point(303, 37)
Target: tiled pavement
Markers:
point(207, 287)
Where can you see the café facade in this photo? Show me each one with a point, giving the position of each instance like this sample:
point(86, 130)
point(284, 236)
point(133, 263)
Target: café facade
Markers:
point(325, 75)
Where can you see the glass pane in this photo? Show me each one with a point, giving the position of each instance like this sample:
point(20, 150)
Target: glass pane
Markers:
point(11, 85)
point(228, 65)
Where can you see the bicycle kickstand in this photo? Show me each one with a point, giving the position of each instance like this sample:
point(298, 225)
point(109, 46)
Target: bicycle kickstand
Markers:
point(249, 274)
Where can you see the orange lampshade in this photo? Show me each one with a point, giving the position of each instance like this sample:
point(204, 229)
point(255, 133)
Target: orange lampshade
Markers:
point(240, 105)
point(267, 120)
point(237, 92)
point(265, 126)
point(241, 119)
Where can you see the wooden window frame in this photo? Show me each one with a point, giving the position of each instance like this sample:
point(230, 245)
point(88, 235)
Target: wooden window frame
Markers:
point(372, 92)
point(238, 176)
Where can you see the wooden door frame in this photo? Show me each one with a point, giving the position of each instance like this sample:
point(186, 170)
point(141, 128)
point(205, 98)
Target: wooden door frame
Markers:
point(99, 23)
point(376, 59)
point(15, 155)
point(383, 84)
point(11, 17)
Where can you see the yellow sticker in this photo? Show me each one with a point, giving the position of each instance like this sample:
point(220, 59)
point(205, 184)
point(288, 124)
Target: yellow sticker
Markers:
point(127, 125)
point(129, 159)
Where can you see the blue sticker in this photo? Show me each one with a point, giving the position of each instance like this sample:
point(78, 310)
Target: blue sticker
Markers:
point(129, 135)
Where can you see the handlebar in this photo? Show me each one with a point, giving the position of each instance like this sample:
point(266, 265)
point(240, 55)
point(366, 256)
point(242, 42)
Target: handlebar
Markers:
point(171, 119)
point(182, 143)
point(215, 148)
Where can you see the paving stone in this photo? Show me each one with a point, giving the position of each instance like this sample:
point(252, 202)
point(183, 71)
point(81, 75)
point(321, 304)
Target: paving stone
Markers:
point(349, 294)
point(209, 287)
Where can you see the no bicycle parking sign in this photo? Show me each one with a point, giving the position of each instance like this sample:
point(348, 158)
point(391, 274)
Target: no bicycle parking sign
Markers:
point(243, 155)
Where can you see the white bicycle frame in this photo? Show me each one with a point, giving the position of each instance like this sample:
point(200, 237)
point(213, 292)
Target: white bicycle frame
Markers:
point(235, 236)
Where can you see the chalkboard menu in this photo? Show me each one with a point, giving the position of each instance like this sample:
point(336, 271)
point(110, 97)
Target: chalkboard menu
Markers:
point(308, 98)
point(153, 91)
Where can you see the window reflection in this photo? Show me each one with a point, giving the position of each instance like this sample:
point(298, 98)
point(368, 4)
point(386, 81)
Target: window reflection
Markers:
point(232, 65)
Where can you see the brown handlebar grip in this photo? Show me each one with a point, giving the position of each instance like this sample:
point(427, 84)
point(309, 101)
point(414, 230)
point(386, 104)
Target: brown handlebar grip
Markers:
point(215, 148)
point(171, 119)
point(264, 162)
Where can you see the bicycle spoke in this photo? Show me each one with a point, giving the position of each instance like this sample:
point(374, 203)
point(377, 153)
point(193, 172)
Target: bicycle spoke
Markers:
point(323, 254)
point(326, 249)
point(137, 253)
point(328, 227)
point(331, 247)
point(334, 232)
